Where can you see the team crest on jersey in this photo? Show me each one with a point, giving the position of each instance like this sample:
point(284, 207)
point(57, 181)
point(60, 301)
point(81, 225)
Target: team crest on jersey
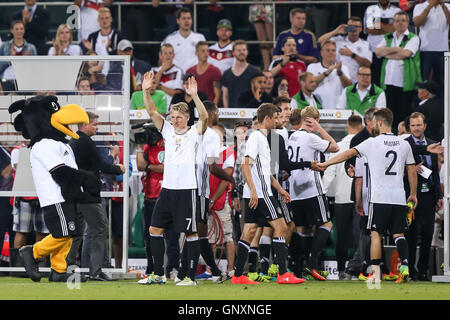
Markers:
point(161, 156)
point(300, 41)
point(71, 226)
point(219, 56)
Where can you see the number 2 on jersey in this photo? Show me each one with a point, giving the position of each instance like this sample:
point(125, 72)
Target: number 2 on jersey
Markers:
point(388, 171)
point(291, 154)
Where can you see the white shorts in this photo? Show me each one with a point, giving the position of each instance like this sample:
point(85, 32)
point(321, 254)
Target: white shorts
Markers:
point(227, 226)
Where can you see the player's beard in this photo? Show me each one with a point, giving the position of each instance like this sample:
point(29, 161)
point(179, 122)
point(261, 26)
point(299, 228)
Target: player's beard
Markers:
point(375, 130)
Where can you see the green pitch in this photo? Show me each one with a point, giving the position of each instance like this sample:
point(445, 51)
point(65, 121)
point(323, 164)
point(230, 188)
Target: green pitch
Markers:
point(25, 289)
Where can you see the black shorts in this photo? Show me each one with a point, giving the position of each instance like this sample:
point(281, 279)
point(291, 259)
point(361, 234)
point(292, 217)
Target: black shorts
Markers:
point(387, 217)
point(60, 219)
point(202, 209)
point(287, 214)
point(267, 210)
point(176, 210)
point(311, 211)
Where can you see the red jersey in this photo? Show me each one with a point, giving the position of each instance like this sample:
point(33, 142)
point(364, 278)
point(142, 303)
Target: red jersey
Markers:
point(214, 181)
point(205, 81)
point(290, 72)
point(152, 180)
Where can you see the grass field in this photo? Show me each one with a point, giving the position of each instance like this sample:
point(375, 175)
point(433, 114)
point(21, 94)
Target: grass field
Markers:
point(25, 289)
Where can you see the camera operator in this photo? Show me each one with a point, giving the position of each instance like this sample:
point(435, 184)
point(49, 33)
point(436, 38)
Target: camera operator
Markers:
point(289, 65)
point(353, 51)
point(150, 159)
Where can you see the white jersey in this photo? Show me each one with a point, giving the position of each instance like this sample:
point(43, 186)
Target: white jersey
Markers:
point(210, 148)
point(362, 171)
point(222, 58)
point(172, 79)
point(375, 14)
point(180, 157)
point(89, 18)
point(44, 156)
point(184, 48)
point(304, 146)
point(387, 156)
point(257, 148)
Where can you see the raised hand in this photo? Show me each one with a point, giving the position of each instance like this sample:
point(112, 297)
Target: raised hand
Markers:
point(148, 80)
point(191, 87)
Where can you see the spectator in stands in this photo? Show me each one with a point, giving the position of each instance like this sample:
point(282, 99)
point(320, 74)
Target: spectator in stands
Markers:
point(168, 76)
point(352, 50)
point(269, 81)
point(289, 65)
point(137, 67)
point(17, 46)
point(432, 18)
point(432, 107)
point(403, 131)
point(208, 76)
point(62, 44)
point(184, 40)
point(84, 87)
point(344, 206)
point(183, 96)
point(221, 53)
point(305, 97)
point(400, 70)
point(280, 88)
point(221, 203)
point(378, 20)
point(331, 76)
point(88, 22)
point(93, 214)
point(36, 20)
point(104, 41)
point(261, 16)
point(158, 96)
point(305, 39)
point(237, 79)
point(93, 70)
point(363, 94)
point(256, 95)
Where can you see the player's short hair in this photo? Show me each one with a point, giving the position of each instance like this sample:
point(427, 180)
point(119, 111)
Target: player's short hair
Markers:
point(183, 10)
point(385, 115)
point(416, 115)
point(303, 76)
point(104, 10)
point(266, 110)
point(286, 40)
point(180, 107)
point(201, 43)
point(368, 114)
point(278, 101)
point(210, 106)
point(354, 121)
point(294, 11)
point(296, 117)
point(239, 42)
point(310, 112)
point(355, 18)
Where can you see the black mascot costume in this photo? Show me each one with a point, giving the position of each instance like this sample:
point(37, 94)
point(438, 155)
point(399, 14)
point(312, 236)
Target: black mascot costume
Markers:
point(59, 184)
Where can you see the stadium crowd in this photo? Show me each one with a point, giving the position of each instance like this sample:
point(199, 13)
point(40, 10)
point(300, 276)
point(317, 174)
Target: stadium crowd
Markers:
point(391, 57)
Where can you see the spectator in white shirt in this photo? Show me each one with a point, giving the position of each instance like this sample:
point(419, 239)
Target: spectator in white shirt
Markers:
point(331, 76)
point(62, 44)
point(184, 40)
point(432, 18)
point(351, 49)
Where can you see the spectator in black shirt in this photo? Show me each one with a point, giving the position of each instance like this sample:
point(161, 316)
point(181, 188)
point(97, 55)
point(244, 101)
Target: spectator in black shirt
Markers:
point(256, 95)
point(88, 157)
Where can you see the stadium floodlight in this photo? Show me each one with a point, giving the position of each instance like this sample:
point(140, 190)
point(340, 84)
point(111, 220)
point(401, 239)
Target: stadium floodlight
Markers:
point(59, 75)
point(446, 276)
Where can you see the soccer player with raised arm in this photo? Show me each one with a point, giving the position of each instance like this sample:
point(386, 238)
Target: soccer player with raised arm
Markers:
point(176, 205)
point(387, 156)
point(260, 204)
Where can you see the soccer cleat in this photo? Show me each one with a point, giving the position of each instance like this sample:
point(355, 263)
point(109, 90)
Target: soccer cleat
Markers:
point(177, 280)
point(242, 280)
point(204, 276)
point(315, 274)
point(219, 279)
point(389, 277)
point(324, 273)
point(404, 274)
point(30, 264)
point(153, 279)
point(254, 276)
point(363, 277)
point(273, 271)
point(186, 282)
point(289, 278)
point(267, 277)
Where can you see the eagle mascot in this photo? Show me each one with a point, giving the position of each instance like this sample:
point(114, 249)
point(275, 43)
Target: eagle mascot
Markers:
point(58, 182)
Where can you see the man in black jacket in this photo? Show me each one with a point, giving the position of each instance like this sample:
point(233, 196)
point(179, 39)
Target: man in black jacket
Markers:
point(433, 109)
point(37, 21)
point(88, 158)
point(429, 196)
point(254, 97)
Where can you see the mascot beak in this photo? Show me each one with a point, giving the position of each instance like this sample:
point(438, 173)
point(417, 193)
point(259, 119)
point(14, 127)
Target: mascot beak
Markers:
point(67, 115)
